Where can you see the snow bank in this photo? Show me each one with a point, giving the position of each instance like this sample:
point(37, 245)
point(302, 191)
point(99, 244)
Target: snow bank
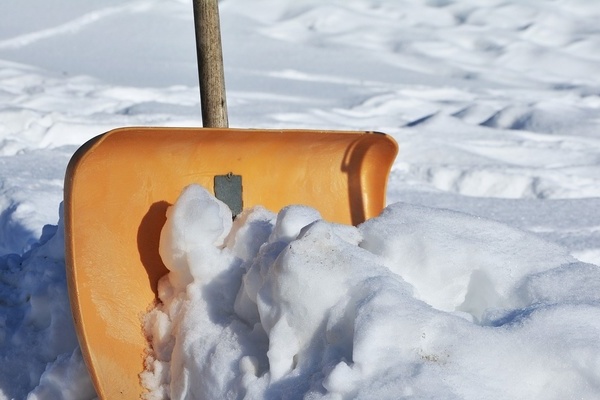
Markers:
point(417, 303)
point(38, 344)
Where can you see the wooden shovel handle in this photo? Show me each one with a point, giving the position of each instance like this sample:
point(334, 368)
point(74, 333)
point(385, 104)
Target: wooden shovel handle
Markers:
point(210, 64)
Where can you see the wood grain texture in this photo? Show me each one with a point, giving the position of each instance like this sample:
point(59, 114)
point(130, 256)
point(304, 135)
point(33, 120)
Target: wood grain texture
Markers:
point(210, 64)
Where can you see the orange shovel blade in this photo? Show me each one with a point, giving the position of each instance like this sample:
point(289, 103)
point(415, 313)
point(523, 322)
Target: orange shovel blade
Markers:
point(119, 185)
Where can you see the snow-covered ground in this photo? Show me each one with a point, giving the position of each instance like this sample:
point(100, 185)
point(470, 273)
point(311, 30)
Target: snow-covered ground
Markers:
point(495, 105)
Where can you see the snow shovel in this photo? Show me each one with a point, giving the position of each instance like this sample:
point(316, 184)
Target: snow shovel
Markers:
point(119, 185)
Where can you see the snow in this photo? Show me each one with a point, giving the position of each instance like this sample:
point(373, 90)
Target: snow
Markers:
point(480, 280)
point(418, 303)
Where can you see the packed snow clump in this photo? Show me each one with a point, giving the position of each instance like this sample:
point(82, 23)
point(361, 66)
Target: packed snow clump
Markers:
point(417, 303)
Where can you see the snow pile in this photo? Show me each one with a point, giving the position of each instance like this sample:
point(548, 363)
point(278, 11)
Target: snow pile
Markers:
point(417, 303)
point(39, 350)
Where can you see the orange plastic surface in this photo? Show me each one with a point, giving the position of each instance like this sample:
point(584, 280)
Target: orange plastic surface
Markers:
point(118, 187)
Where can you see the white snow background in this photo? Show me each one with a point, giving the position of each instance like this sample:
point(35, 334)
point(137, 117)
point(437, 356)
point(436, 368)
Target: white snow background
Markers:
point(480, 281)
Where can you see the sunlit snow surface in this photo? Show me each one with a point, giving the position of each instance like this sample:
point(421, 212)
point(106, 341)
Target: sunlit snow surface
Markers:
point(416, 303)
point(496, 108)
